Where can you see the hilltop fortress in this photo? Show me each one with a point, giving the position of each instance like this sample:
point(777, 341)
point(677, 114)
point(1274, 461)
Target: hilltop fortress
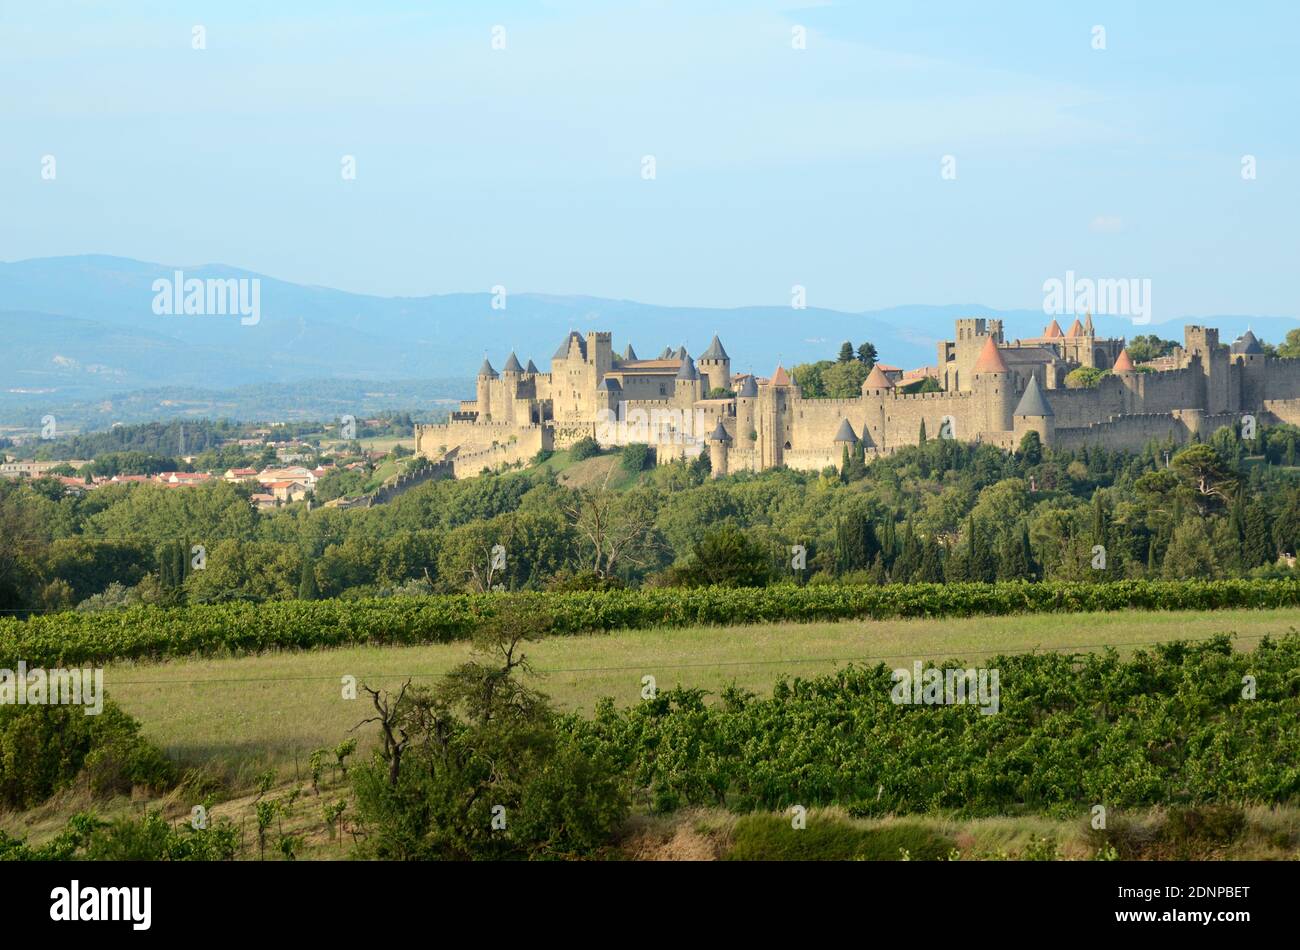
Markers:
point(992, 391)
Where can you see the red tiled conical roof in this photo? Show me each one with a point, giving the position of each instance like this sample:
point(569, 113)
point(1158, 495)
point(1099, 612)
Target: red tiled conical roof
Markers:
point(780, 378)
point(1123, 362)
point(877, 379)
point(1053, 331)
point(990, 359)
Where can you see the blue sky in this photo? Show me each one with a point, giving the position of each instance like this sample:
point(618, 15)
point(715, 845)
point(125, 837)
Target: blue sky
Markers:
point(775, 166)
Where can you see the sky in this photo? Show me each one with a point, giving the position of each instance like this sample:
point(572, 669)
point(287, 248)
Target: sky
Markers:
point(774, 166)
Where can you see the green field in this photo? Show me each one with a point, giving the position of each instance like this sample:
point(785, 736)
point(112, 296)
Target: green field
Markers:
point(244, 714)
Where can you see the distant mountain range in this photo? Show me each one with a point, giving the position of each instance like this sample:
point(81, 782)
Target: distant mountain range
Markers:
point(82, 332)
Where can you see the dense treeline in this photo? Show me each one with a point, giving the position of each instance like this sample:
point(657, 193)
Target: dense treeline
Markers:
point(942, 511)
point(143, 632)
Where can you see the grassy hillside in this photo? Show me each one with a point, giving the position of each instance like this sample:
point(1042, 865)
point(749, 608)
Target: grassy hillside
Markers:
point(242, 715)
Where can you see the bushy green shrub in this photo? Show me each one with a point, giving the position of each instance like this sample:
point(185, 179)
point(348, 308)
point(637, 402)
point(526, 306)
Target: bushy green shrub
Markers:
point(584, 448)
point(725, 557)
point(149, 838)
point(637, 457)
point(45, 748)
point(476, 765)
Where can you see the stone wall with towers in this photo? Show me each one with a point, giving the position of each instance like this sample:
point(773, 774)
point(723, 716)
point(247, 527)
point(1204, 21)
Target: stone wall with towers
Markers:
point(991, 390)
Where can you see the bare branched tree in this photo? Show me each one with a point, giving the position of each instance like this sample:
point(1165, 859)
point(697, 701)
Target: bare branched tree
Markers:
point(613, 527)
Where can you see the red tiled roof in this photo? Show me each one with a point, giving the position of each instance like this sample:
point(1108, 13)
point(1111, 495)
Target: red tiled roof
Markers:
point(877, 379)
point(990, 359)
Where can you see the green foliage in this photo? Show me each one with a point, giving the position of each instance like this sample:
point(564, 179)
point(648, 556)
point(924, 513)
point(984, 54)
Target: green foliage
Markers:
point(154, 632)
point(724, 557)
point(307, 589)
point(1168, 726)
point(130, 463)
point(584, 448)
point(1031, 448)
point(844, 380)
point(1290, 349)
point(1144, 348)
point(637, 457)
point(1085, 377)
point(809, 378)
point(149, 838)
point(45, 748)
point(476, 766)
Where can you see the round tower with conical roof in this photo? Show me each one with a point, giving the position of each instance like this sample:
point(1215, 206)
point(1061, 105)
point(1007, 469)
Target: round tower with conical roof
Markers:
point(483, 390)
point(715, 367)
point(511, 373)
point(746, 404)
point(995, 397)
point(688, 384)
point(719, 443)
point(1034, 414)
point(1126, 372)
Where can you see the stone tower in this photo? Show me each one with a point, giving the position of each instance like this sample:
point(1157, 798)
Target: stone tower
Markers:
point(719, 442)
point(715, 367)
point(957, 357)
point(1034, 414)
point(772, 418)
point(1203, 343)
point(746, 404)
point(486, 376)
point(876, 389)
point(687, 390)
point(995, 396)
point(511, 373)
point(1129, 378)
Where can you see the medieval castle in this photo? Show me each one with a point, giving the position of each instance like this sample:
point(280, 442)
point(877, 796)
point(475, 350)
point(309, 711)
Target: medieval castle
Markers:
point(991, 391)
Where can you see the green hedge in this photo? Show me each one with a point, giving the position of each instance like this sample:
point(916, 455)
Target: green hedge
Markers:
point(140, 632)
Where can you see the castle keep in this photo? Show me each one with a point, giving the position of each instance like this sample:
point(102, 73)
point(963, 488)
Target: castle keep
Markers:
point(993, 391)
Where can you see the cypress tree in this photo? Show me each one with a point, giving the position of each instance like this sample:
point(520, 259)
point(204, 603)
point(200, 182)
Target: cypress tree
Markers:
point(1257, 548)
point(930, 570)
point(859, 460)
point(1237, 515)
point(909, 557)
point(307, 589)
point(1017, 561)
point(878, 570)
point(1098, 519)
point(889, 541)
point(983, 565)
point(921, 440)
